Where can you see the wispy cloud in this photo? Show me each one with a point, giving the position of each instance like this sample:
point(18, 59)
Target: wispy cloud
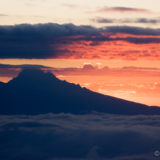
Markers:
point(137, 20)
point(123, 10)
point(3, 15)
point(70, 5)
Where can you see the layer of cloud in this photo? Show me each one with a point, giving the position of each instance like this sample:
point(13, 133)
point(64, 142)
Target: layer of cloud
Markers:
point(122, 21)
point(25, 66)
point(124, 10)
point(70, 5)
point(37, 41)
point(66, 137)
point(3, 15)
point(7, 70)
point(69, 41)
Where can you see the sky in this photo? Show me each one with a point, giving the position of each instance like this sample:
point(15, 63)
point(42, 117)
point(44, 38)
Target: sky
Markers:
point(77, 12)
point(115, 41)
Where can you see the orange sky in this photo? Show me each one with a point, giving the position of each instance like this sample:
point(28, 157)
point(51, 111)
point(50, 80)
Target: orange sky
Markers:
point(118, 64)
point(132, 83)
point(111, 46)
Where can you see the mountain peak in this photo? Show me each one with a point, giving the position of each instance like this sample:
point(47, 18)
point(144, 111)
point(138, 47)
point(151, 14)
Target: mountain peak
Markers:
point(35, 73)
point(33, 76)
point(35, 91)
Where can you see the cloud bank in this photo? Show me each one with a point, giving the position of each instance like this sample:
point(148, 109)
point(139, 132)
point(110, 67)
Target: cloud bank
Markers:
point(76, 137)
point(70, 41)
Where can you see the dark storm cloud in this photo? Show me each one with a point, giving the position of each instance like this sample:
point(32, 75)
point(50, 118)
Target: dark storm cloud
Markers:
point(37, 41)
point(78, 137)
point(47, 40)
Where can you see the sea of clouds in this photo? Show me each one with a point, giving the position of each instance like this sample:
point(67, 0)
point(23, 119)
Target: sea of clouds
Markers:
point(79, 137)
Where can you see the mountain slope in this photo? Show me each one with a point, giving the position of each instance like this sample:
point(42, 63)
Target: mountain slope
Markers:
point(36, 92)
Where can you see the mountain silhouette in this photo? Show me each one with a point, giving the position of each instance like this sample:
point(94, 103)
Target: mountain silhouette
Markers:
point(34, 91)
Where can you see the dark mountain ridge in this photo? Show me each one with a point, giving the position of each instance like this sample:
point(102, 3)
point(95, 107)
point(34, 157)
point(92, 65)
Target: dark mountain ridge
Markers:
point(36, 92)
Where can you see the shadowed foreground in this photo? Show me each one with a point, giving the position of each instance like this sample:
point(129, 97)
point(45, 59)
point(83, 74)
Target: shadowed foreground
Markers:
point(79, 137)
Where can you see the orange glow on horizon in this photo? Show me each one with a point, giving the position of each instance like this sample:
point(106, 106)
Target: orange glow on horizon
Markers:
point(112, 63)
point(138, 89)
point(135, 84)
point(111, 46)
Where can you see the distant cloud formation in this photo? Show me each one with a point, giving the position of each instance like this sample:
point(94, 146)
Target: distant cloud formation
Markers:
point(124, 10)
point(87, 69)
point(70, 5)
point(69, 41)
point(79, 137)
point(7, 70)
point(3, 15)
point(22, 66)
point(121, 21)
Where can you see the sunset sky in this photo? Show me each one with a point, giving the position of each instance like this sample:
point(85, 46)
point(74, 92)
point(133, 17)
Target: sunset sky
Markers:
point(109, 46)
